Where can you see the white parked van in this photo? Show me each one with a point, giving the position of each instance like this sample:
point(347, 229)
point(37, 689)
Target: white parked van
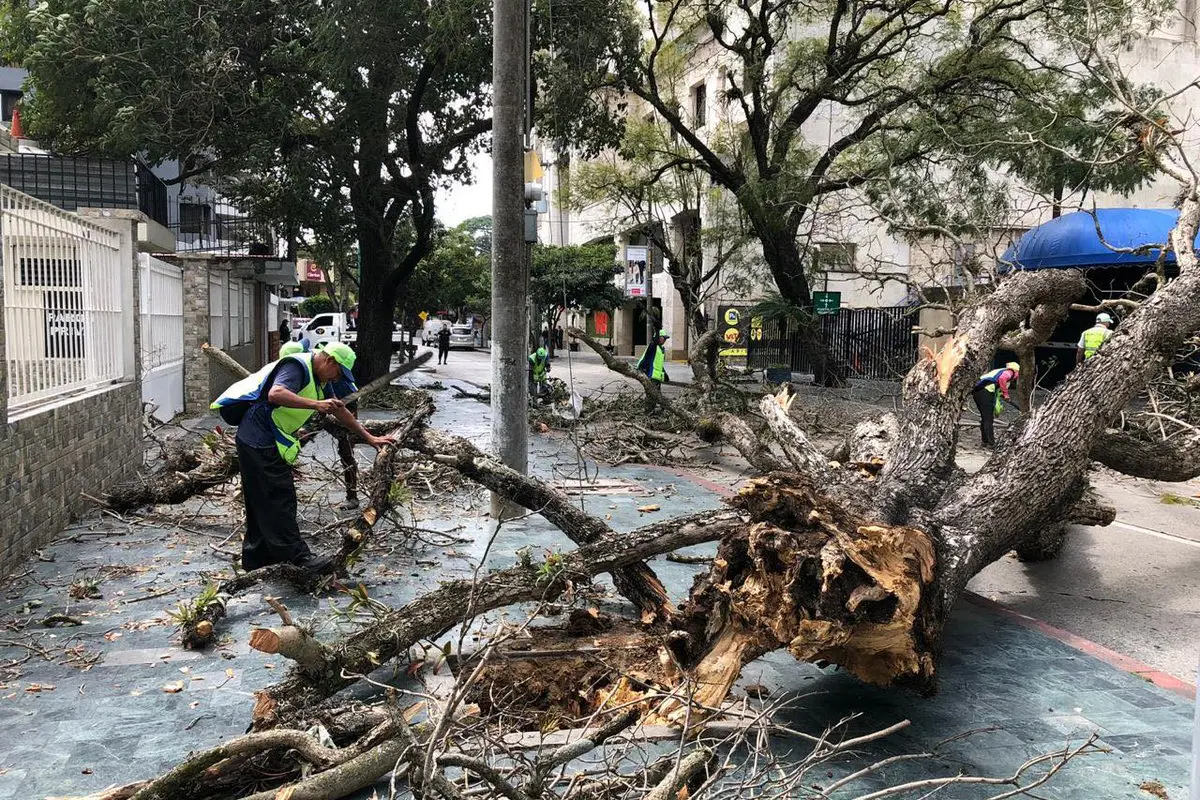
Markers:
point(334, 327)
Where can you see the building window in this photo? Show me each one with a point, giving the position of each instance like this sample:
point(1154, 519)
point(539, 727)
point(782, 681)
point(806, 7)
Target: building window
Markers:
point(8, 102)
point(836, 257)
point(700, 105)
point(194, 217)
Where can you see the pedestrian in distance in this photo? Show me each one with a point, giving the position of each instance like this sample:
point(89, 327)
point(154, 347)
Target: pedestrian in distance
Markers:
point(990, 394)
point(539, 373)
point(654, 359)
point(1093, 338)
point(443, 339)
point(285, 331)
point(269, 408)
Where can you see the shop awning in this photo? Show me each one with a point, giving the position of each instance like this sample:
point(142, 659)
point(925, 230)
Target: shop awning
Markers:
point(1089, 239)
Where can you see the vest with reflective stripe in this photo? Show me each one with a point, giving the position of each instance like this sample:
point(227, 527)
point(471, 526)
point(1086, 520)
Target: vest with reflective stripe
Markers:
point(659, 359)
point(990, 380)
point(286, 421)
point(1092, 339)
point(539, 368)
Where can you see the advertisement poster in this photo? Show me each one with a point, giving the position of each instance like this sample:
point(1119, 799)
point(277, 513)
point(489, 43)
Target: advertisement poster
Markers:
point(600, 323)
point(637, 265)
point(733, 321)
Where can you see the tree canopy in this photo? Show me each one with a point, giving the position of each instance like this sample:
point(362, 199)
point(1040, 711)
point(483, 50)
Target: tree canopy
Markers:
point(335, 118)
point(454, 277)
point(786, 105)
point(571, 276)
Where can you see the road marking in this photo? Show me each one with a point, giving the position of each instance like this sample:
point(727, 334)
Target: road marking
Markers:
point(1171, 537)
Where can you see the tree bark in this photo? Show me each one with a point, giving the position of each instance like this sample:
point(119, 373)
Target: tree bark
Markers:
point(1173, 460)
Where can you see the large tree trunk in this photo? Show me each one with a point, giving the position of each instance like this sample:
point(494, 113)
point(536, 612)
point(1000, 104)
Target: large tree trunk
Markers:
point(376, 309)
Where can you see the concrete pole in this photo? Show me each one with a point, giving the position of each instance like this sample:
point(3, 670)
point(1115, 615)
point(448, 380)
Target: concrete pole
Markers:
point(510, 276)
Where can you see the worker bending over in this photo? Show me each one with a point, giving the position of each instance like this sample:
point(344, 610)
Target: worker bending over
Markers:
point(988, 394)
point(269, 408)
point(539, 369)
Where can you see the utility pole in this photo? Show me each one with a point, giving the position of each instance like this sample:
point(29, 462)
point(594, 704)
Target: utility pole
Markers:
point(510, 274)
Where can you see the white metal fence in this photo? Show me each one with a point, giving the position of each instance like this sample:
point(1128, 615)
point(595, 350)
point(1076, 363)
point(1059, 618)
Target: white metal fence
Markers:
point(64, 294)
point(162, 336)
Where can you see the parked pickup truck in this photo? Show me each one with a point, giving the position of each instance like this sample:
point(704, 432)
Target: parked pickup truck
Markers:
point(335, 328)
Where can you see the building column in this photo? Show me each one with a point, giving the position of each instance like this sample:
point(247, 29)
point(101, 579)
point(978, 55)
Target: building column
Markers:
point(197, 392)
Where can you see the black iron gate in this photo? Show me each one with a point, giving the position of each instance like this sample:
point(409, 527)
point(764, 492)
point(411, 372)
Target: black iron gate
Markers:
point(874, 343)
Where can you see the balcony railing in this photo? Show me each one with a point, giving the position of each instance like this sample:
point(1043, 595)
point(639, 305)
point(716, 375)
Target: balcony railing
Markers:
point(227, 235)
point(71, 182)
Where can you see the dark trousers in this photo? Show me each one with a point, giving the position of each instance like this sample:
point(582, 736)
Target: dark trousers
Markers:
point(345, 450)
point(272, 532)
point(985, 401)
point(443, 352)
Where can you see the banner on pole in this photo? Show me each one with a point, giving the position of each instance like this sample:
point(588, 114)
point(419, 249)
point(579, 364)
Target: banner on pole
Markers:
point(637, 266)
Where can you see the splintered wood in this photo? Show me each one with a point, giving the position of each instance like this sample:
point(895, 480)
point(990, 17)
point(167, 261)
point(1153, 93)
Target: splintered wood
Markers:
point(946, 360)
point(808, 576)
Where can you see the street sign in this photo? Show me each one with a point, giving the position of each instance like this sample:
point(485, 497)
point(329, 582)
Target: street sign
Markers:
point(732, 324)
point(827, 302)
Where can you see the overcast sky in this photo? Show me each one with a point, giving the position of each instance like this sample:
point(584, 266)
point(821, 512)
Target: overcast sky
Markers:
point(464, 202)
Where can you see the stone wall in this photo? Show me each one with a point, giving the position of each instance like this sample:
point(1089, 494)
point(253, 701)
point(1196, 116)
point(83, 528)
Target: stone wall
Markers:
point(51, 458)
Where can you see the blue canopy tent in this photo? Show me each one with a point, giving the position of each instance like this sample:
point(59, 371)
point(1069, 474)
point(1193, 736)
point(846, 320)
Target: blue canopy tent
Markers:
point(1072, 241)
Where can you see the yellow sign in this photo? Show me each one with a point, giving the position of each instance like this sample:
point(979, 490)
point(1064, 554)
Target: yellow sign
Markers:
point(424, 315)
point(533, 168)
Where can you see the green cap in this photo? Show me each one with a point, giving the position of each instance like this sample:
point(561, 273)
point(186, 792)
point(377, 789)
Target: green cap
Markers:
point(343, 355)
point(541, 351)
point(663, 334)
point(291, 349)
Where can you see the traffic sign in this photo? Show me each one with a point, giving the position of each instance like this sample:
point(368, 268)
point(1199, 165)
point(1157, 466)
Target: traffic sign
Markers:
point(827, 302)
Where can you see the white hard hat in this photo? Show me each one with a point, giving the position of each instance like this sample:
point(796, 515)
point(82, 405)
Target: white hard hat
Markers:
point(1105, 318)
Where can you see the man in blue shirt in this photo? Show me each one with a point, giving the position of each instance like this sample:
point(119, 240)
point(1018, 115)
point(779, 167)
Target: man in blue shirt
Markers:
point(268, 486)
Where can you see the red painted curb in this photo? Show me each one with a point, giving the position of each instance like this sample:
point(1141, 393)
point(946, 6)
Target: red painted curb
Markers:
point(712, 486)
point(1088, 647)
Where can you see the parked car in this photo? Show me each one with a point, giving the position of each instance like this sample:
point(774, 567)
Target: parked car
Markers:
point(462, 336)
point(335, 328)
point(429, 331)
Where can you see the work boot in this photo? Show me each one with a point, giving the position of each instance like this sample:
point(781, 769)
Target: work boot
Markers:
point(316, 563)
point(350, 504)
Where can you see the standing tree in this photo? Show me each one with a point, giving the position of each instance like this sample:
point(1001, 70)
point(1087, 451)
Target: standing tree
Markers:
point(350, 114)
point(574, 276)
point(649, 184)
point(452, 277)
point(788, 105)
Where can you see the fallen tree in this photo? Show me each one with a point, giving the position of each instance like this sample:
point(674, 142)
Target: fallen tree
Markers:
point(855, 561)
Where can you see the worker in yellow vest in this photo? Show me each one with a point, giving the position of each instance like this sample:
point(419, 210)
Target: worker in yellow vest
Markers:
point(1093, 338)
point(269, 408)
point(991, 387)
point(654, 359)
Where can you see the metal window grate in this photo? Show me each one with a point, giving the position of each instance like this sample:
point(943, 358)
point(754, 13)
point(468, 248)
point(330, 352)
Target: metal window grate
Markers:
point(64, 315)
